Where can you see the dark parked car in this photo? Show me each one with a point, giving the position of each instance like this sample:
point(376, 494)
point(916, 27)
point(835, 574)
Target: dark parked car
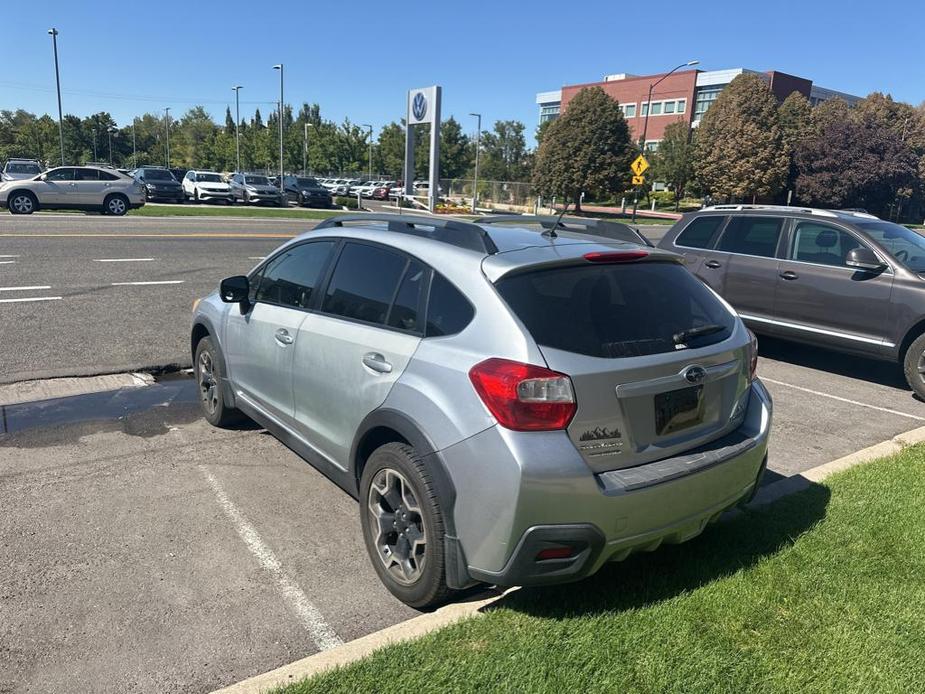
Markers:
point(306, 191)
point(839, 279)
point(159, 183)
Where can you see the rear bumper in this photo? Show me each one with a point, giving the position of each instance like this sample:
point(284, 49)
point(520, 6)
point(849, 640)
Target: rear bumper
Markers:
point(543, 495)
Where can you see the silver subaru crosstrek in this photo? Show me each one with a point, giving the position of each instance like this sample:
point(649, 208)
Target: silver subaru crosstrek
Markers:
point(510, 405)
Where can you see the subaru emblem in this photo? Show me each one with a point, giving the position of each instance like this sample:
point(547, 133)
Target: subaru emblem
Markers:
point(695, 375)
point(419, 106)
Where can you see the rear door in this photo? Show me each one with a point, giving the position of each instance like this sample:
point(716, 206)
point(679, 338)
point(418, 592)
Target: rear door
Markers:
point(350, 353)
point(751, 242)
point(88, 187)
point(822, 299)
point(647, 388)
point(260, 342)
point(696, 243)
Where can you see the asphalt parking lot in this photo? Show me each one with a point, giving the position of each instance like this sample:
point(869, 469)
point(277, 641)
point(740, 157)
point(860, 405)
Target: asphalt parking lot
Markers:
point(149, 552)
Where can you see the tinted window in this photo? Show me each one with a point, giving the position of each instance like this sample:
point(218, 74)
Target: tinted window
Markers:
point(822, 244)
point(208, 178)
point(23, 169)
point(448, 311)
point(158, 175)
point(291, 278)
point(364, 283)
point(61, 175)
point(404, 312)
point(752, 236)
point(106, 176)
point(699, 233)
point(87, 175)
point(623, 310)
point(257, 180)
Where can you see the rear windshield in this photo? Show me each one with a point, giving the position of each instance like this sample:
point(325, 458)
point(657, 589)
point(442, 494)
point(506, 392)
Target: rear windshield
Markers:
point(619, 310)
point(257, 180)
point(158, 175)
point(27, 169)
point(208, 178)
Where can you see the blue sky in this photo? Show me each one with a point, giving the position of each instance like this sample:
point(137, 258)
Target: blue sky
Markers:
point(358, 59)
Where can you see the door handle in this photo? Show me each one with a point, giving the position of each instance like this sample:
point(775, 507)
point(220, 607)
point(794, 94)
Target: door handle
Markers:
point(713, 264)
point(789, 275)
point(283, 337)
point(377, 362)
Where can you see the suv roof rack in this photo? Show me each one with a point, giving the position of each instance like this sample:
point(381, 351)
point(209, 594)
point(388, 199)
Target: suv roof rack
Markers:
point(605, 228)
point(778, 208)
point(452, 231)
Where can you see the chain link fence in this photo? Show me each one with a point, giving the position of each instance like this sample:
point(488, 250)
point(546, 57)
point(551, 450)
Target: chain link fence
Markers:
point(505, 193)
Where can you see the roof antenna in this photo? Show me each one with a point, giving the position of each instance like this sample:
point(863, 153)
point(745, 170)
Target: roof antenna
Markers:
point(551, 233)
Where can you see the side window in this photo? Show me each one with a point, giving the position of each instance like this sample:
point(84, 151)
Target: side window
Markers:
point(87, 175)
point(404, 311)
point(61, 175)
point(821, 244)
point(106, 176)
point(448, 311)
point(700, 232)
point(364, 282)
point(190, 175)
point(752, 236)
point(290, 278)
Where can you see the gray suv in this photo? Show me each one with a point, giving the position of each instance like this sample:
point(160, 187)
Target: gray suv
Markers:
point(510, 405)
point(839, 279)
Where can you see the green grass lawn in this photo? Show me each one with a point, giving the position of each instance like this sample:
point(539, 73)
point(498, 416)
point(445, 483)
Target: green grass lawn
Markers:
point(231, 211)
point(823, 591)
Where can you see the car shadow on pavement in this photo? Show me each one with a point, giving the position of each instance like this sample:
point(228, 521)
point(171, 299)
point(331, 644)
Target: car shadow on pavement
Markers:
point(646, 579)
point(872, 370)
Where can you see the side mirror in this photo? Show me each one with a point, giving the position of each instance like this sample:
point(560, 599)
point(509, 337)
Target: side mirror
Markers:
point(235, 290)
point(864, 259)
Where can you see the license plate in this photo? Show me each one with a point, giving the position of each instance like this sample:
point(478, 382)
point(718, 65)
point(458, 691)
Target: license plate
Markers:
point(678, 409)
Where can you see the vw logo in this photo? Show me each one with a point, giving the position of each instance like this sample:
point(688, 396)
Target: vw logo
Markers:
point(695, 375)
point(419, 106)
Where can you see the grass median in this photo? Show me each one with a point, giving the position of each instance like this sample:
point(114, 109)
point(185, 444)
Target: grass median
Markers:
point(822, 591)
point(223, 211)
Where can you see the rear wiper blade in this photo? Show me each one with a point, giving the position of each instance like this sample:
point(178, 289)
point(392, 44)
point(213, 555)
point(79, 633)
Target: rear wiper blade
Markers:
point(686, 335)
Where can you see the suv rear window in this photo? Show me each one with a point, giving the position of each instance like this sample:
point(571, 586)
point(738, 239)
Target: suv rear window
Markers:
point(700, 231)
point(620, 310)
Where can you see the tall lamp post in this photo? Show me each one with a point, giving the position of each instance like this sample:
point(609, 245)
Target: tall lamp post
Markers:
point(134, 149)
point(237, 123)
point(305, 148)
point(367, 125)
point(111, 129)
point(54, 42)
point(645, 123)
point(478, 147)
point(167, 130)
point(95, 156)
point(281, 107)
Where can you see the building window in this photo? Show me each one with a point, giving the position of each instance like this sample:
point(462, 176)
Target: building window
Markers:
point(549, 112)
point(667, 107)
point(629, 110)
point(704, 98)
point(682, 104)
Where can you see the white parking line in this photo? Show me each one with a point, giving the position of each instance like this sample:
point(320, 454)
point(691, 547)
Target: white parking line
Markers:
point(122, 260)
point(322, 634)
point(7, 262)
point(257, 257)
point(9, 256)
point(24, 289)
point(144, 284)
point(33, 298)
point(846, 400)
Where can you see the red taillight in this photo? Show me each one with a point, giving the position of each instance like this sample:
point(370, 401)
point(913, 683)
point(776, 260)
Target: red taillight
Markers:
point(524, 397)
point(554, 553)
point(752, 356)
point(615, 256)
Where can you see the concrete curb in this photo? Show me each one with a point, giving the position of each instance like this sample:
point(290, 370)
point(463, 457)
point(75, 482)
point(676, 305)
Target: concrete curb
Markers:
point(48, 389)
point(426, 623)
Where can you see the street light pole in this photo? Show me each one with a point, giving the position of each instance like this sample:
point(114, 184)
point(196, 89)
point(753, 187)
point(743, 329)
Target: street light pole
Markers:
point(305, 148)
point(645, 123)
point(281, 107)
point(134, 149)
point(237, 123)
point(478, 147)
point(367, 125)
point(95, 157)
point(54, 43)
point(110, 130)
point(167, 130)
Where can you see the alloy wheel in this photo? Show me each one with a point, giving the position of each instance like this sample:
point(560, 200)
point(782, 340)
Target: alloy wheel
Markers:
point(398, 525)
point(920, 367)
point(22, 204)
point(117, 206)
point(208, 388)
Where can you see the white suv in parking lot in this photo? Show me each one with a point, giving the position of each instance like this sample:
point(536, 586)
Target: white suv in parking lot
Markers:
point(76, 188)
point(201, 186)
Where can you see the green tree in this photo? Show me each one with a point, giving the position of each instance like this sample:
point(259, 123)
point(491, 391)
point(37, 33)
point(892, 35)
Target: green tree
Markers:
point(585, 150)
point(795, 115)
point(673, 162)
point(455, 152)
point(390, 150)
point(740, 149)
point(504, 153)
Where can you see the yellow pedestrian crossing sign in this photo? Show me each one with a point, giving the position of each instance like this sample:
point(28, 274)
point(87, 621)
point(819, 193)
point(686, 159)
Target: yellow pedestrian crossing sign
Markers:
point(638, 180)
point(639, 165)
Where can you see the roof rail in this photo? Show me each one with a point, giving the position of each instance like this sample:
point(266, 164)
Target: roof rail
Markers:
point(451, 231)
point(779, 208)
point(605, 228)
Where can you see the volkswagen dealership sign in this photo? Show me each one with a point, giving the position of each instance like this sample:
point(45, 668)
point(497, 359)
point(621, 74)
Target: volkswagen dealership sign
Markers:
point(423, 107)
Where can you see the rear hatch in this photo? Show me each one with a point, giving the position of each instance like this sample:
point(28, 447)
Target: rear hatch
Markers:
point(659, 364)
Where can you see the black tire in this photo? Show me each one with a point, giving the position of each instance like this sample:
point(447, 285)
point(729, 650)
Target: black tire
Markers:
point(428, 589)
point(116, 205)
point(913, 365)
point(196, 196)
point(247, 198)
point(22, 202)
point(208, 384)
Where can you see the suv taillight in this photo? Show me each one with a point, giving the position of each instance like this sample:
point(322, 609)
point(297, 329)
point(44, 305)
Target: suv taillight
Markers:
point(524, 397)
point(752, 356)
